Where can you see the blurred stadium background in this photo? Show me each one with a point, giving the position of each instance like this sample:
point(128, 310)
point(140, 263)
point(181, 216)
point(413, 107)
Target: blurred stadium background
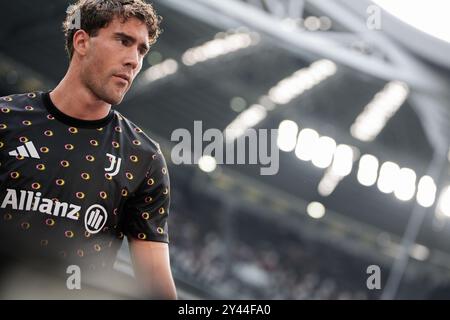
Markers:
point(361, 101)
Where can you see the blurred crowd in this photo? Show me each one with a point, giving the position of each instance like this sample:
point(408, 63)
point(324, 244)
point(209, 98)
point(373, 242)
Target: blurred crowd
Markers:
point(250, 257)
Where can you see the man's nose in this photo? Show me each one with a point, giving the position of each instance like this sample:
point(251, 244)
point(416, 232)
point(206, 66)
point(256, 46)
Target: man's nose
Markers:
point(132, 59)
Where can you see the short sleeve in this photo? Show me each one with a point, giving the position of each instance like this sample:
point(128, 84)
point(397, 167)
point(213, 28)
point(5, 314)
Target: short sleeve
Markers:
point(147, 210)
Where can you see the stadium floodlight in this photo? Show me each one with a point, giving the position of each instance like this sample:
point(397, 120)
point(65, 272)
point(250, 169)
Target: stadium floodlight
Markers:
point(426, 191)
point(306, 143)
point(388, 177)
point(315, 210)
point(287, 135)
point(368, 170)
point(323, 152)
point(405, 186)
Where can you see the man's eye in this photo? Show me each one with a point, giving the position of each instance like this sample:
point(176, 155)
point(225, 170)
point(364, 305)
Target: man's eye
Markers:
point(125, 42)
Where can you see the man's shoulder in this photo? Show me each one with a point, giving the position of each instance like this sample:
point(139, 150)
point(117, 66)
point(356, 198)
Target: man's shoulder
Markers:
point(140, 139)
point(19, 100)
point(21, 96)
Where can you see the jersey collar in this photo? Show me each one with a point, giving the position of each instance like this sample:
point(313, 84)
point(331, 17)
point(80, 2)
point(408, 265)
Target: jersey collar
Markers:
point(71, 121)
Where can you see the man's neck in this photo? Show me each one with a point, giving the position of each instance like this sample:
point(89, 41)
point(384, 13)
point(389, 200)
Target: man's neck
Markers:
point(72, 98)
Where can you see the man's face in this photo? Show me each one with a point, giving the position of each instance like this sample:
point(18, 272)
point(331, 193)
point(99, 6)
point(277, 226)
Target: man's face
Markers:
point(114, 58)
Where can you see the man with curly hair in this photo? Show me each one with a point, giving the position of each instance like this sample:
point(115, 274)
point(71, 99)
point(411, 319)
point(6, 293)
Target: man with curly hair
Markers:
point(76, 176)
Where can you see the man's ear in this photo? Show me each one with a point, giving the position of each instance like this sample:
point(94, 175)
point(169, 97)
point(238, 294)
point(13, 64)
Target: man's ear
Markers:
point(81, 42)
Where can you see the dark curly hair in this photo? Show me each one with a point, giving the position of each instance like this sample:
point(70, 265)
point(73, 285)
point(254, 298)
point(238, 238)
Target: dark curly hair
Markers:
point(96, 14)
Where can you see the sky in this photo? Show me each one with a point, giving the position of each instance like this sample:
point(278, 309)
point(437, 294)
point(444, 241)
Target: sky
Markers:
point(429, 16)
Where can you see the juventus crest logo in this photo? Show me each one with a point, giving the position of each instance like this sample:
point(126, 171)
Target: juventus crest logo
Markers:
point(114, 167)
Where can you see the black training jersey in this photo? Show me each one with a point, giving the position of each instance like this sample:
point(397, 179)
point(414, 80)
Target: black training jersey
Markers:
point(72, 188)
